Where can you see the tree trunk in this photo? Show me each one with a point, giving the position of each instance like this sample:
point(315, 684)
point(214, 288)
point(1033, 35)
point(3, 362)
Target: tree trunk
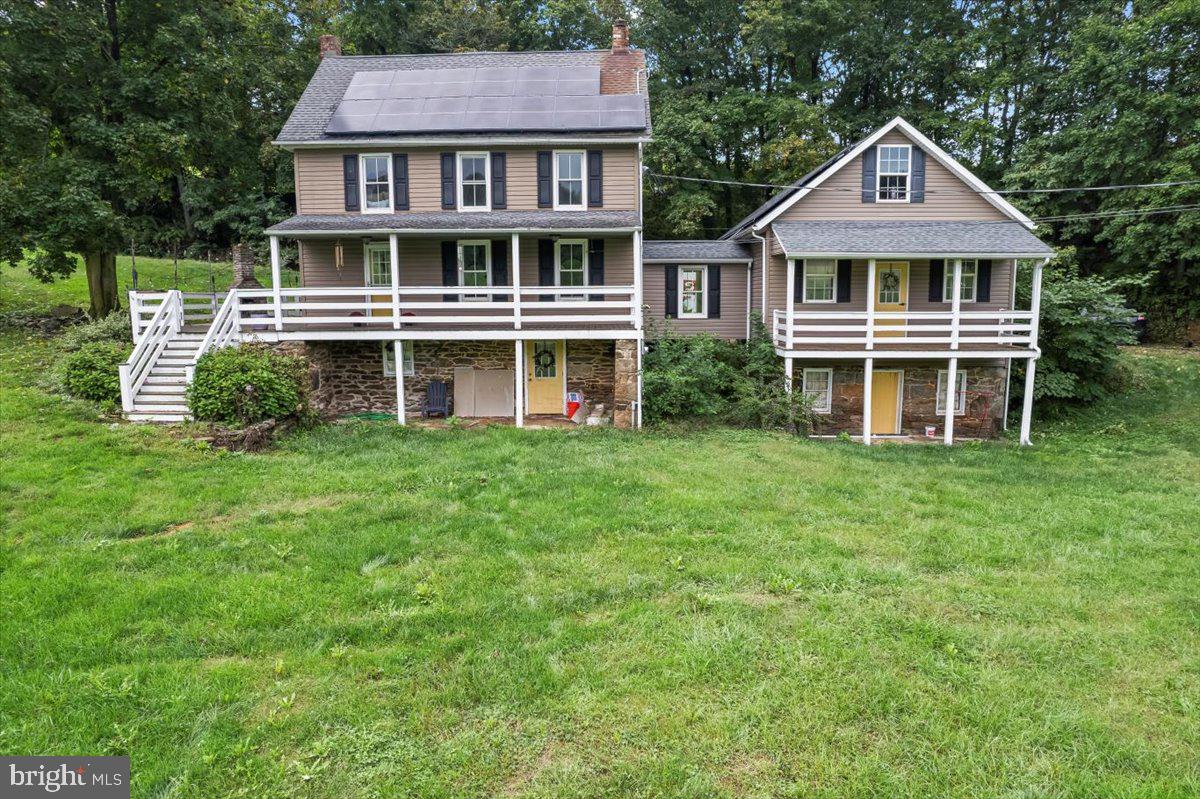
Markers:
point(102, 283)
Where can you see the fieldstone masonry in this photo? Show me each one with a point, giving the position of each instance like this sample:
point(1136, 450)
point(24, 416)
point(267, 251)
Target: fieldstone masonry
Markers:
point(984, 406)
point(625, 383)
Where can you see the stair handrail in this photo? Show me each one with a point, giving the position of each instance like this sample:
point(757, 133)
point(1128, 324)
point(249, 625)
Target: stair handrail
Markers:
point(223, 332)
point(166, 322)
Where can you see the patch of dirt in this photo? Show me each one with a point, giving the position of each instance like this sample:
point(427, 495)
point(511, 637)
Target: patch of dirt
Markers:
point(526, 776)
point(746, 771)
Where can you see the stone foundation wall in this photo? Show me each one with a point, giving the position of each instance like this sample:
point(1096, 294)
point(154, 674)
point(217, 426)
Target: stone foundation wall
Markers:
point(984, 415)
point(590, 370)
point(625, 383)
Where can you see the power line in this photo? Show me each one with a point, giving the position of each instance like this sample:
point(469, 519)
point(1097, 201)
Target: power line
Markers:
point(810, 187)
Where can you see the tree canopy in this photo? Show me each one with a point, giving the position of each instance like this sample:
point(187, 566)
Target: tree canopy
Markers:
point(130, 121)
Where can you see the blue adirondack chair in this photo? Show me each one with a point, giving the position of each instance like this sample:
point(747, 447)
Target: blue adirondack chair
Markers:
point(436, 400)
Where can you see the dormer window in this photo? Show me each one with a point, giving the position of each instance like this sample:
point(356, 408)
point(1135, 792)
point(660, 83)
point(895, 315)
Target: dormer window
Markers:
point(568, 180)
point(895, 164)
point(473, 182)
point(376, 171)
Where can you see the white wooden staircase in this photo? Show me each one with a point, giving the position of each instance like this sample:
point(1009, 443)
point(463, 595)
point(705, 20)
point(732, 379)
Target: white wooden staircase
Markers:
point(154, 380)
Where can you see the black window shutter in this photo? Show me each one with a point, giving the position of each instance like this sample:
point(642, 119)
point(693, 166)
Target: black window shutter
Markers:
point(843, 280)
point(983, 283)
point(937, 279)
point(499, 181)
point(450, 268)
point(449, 187)
point(350, 180)
point(595, 178)
point(714, 292)
point(500, 268)
point(400, 180)
point(798, 284)
point(868, 175)
point(916, 192)
point(545, 266)
point(595, 268)
point(672, 290)
point(545, 177)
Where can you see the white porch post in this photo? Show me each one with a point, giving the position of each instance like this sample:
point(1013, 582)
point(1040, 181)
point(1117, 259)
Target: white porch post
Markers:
point(868, 374)
point(276, 280)
point(871, 304)
point(637, 286)
point(1035, 307)
point(394, 246)
point(519, 388)
point(516, 280)
point(791, 308)
point(135, 312)
point(955, 306)
point(787, 375)
point(399, 353)
point(950, 400)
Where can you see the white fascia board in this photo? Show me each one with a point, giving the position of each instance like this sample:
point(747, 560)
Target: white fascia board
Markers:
point(938, 153)
point(304, 234)
point(915, 256)
point(428, 141)
point(699, 261)
point(441, 335)
point(906, 355)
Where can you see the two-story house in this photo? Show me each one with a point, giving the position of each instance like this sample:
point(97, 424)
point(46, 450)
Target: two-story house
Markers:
point(474, 220)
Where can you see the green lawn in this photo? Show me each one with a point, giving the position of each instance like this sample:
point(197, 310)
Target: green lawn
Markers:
point(374, 611)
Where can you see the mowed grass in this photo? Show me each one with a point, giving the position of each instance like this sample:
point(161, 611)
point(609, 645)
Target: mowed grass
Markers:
point(376, 611)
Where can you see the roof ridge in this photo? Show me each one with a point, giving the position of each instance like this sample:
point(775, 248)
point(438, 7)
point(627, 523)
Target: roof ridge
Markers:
point(470, 52)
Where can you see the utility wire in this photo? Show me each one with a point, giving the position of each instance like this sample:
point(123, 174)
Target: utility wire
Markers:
point(810, 187)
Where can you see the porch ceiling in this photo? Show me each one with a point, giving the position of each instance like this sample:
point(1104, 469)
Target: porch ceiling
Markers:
point(872, 239)
point(459, 222)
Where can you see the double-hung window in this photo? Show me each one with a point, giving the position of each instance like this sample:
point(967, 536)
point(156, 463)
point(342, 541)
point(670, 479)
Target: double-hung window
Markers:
point(406, 358)
point(568, 180)
point(960, 394)
point(693, 291)
point(475, 267)
point(820, 280)
point(893, 172)
point(818, 387)
point(376, 171)
point(474, 193)
point(570, 265)
point(968, 284)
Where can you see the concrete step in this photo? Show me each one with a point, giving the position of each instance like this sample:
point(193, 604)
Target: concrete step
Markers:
point(166, 404)
point(158, 418)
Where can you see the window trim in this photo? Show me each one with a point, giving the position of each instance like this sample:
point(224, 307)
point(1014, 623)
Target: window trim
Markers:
point(804, 281)
point(827, 407)
point(362, 183)
point(948, 281)
point(960, 394)
point(368, 247)
point(583, 243)
point(487, 246)
point(407, 358)
point(582, 180)
point(879, 174)
point(703, 312)
point(487, 182)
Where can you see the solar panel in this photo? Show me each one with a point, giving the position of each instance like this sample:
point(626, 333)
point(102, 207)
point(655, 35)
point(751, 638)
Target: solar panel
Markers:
point(541, 98)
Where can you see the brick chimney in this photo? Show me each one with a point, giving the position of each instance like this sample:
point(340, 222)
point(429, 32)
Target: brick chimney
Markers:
point(620, 40)
point(330, 45)
point(243, 268)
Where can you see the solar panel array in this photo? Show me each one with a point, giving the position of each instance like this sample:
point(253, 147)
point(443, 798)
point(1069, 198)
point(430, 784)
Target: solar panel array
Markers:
point(534, 98)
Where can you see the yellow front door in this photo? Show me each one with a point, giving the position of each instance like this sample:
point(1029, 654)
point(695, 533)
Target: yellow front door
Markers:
point(545, 375)
point(885, 403)
point(891, 293)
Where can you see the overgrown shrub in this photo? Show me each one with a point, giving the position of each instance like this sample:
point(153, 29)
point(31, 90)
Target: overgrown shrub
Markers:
point(244, 385)
point(91, 371)
point(708, 380)
point(1083, 321)
point(113, 328)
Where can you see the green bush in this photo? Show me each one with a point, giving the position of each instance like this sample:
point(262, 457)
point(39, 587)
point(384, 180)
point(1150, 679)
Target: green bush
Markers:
point(708, 380)
point(91, 371)
point(113, 328)
point(1083, 321)
point(244, 385)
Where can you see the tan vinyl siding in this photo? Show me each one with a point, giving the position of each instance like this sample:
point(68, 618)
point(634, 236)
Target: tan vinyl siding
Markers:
point(320, 190)
point(731, 325)
point(840, 196)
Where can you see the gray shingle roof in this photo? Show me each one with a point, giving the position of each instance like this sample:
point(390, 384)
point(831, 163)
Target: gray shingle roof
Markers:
point(697, 251)
point(453, 220)
point(325, 90)
point(909, 238)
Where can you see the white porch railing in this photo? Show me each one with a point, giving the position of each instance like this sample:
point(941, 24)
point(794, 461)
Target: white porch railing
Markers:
point(166, 321)
point(225, 331)
point(806, 330)
point(198, 308)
